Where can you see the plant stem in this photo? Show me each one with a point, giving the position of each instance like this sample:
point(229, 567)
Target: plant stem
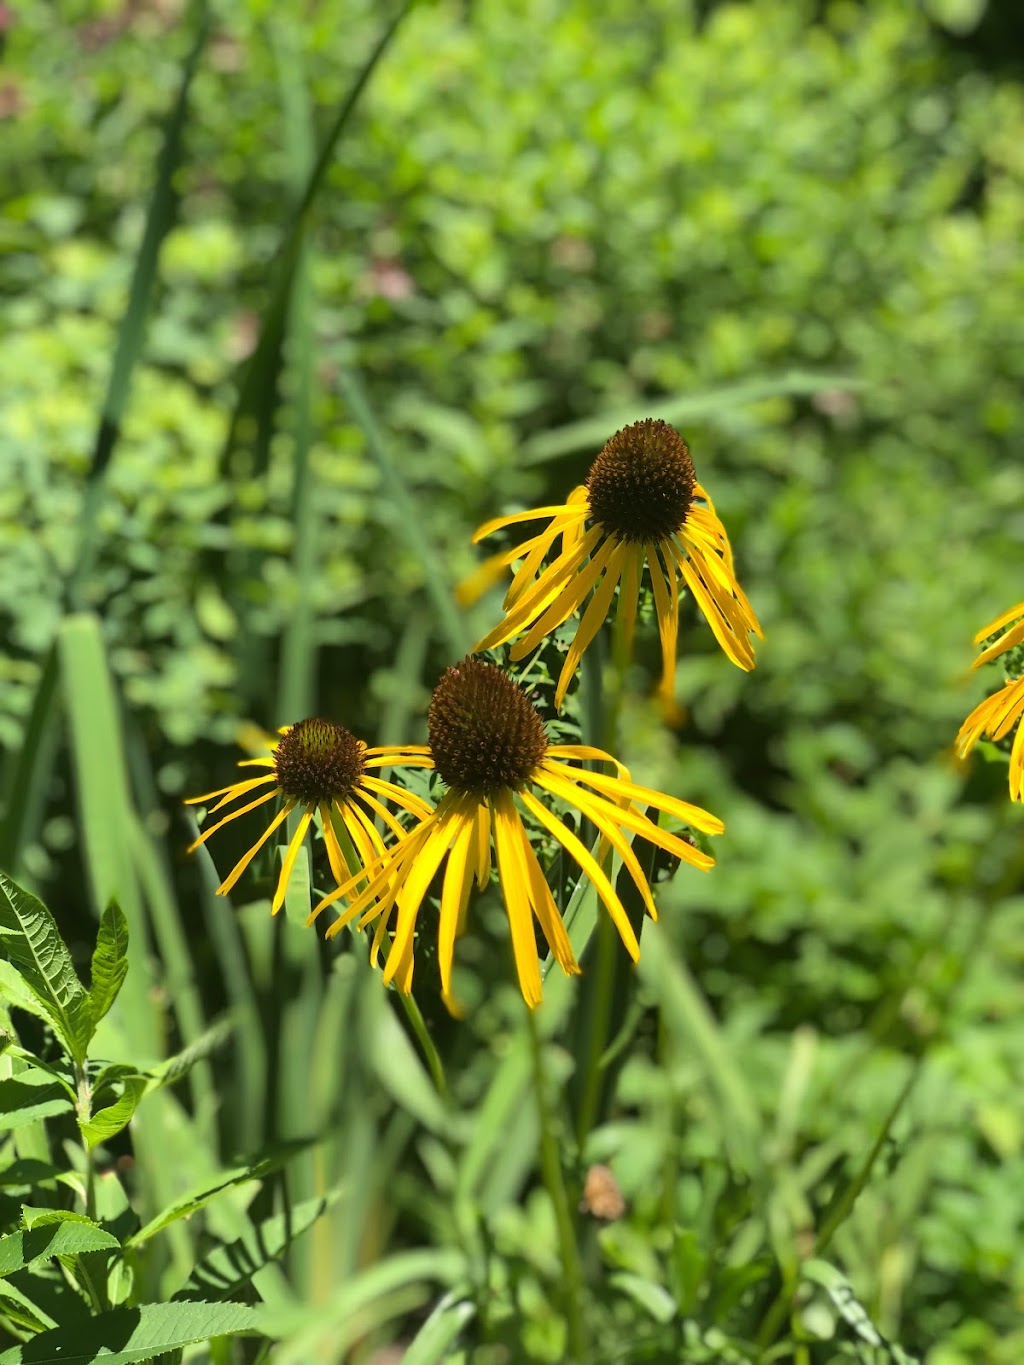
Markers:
point(84, 1110)
point(554, 1180)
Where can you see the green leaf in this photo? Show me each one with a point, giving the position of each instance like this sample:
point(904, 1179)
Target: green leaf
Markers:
point(109, 961)
point(197, 1198)
point(431, 1342)
point(653, 1298)
point(175, 1068)
point(30, 772)
point(229, 1269)
point(368, 1292)
point(31, 1096)
point(27, 1171)
point(107, 1122)
point(13, 991)
point(102, 791)
point(127, 1334)
point(29, 936)
point(60, 1237)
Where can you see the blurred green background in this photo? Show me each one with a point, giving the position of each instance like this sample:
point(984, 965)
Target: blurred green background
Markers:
point(794, 229)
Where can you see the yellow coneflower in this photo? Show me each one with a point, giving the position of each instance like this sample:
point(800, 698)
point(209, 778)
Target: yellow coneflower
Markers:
point(996, 716)
point(489, 746)
point(321, 767)
point(641, 505)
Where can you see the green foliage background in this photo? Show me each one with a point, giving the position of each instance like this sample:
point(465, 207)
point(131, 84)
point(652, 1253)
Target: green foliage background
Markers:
point(797, 226)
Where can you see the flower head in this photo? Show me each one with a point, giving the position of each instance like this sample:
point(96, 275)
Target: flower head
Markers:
point(641, 506)
point(489, 746)
point(318, 766)
point(996, 716)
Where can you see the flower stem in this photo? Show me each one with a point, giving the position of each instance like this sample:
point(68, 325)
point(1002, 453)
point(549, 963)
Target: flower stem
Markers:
point(554, 1181)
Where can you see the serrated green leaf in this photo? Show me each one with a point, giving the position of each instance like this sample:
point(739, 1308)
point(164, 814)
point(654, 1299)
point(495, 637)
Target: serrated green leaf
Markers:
point(15, 994)
point(29, 1097)
point(197, 1198)
point(63, 1237)
point(128, 1334)
point(109, 961)
point(228, 1269)
point(175, 1068)
point(31, 940)
point(109, 1121)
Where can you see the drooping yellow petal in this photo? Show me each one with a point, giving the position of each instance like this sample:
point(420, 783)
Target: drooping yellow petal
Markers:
point(629, 596)
point(227, 793)
point(1017, 766)
point(569, 600)
point(1014, 613)
point(242, 810)
point(340, 869)
point(647, 796)
point(736, 647)
point(666, 604)
point(410, 897)
point(515, 887)
point(482, 847)
point(595, 809)
point(533, 514)
point(593, 618)
point(458, 882)
point(582, 856)
point(548, 587)
point(584, 751)
point(289, 860)
point(247, 858)
point(400, 796)
point(551, 923)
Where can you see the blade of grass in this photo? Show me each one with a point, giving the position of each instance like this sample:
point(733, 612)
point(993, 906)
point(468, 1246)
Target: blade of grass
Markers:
point(690, 1021)
point(105, 816)
point(170, 934)
point(159, 219)
point(257, 397)
point(30, 771)
point(408, 515)
point(244, 1108)
point(297, 686)
point(712, 406)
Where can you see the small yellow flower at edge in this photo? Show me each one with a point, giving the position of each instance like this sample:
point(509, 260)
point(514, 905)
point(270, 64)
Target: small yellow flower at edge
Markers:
point(996, 716)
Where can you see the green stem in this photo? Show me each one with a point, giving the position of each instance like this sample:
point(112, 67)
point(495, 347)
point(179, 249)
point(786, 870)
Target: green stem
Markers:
point(430, 1052)
point(554, 1180)
point(601, 974)
point(84, 1109)
point(836, 1215)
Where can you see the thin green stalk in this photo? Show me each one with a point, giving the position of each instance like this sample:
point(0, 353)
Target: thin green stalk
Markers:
point(600, 992)
point(554, 1180)
point(83, 1105)
point(430, 1053)
point(412, 1011)
point(836, 1215)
